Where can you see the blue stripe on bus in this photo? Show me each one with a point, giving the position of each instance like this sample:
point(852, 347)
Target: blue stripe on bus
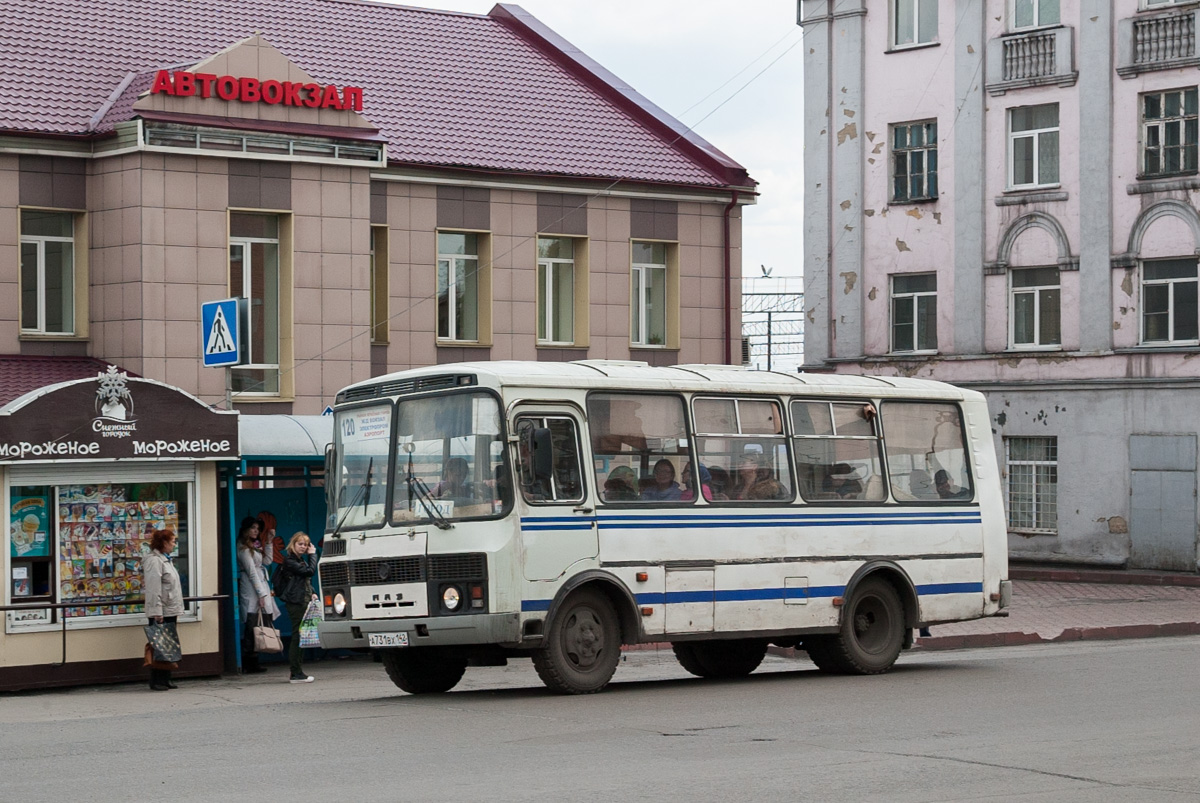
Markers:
point(535, 524)
point(751, 594)
point(717, 517)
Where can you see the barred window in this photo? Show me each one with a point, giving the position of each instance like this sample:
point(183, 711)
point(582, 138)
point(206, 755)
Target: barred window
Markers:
point(1169, 132)
point(1032, 467)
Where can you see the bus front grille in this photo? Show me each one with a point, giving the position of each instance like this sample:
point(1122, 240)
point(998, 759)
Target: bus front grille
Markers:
point(471, 566)
point(388, 570)
point(334, 574)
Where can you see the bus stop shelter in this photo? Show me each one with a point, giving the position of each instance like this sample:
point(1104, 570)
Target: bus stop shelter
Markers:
point(281, 475)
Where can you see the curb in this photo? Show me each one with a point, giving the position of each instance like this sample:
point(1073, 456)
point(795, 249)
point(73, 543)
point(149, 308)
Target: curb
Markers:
point(1109, 577)
point(1069, 634)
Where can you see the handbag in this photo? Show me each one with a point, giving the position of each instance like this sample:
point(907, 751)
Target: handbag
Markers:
point(309, 634)
point(266, 637)
point(164, 641)
point(148, 660)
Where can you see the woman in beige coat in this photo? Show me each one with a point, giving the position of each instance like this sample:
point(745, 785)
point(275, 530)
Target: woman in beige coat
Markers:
point(164, 594)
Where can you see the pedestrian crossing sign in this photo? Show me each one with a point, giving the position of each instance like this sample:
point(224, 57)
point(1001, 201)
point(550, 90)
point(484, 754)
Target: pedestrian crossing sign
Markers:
point(219, 332)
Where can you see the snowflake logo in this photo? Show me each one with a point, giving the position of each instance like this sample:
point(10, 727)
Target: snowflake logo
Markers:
point(113, 398)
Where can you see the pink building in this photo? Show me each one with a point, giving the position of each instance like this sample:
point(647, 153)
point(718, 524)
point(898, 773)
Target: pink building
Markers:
point(1002, 194)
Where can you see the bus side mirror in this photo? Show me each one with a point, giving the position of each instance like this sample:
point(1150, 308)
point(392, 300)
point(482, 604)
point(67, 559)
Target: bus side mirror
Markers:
point(331, 483)
point(537, 460)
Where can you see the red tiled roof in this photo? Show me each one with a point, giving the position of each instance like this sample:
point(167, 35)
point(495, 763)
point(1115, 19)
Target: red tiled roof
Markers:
point(496, 92)
point(21, 374)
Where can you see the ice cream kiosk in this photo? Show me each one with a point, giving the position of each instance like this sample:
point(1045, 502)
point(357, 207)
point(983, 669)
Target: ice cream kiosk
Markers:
point(89, 469)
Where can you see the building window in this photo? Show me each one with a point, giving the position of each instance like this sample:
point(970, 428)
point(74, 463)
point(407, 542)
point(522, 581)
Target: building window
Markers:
point(914, 161)
point(47, 272)
point(914, 22)
point(556, 291)
point(1169, 302)
point(649, 301)
point(458, 286)
point(914, 312)
point(1162, 3)
point(1169, 132)
point(1033, 146)
point(254, 280)
point(1034, 13)
point(1032, 467)
point(379, 284)
point(1034, 319)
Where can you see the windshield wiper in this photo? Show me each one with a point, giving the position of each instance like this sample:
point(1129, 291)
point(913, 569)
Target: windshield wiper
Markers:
point(362, 492)
point(418, 489)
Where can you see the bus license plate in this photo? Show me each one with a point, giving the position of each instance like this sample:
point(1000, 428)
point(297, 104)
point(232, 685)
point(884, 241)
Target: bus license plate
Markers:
point(387, 640)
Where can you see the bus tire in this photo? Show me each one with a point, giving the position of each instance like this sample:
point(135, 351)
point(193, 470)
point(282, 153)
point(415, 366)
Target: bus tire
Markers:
point(871, 634)
point(720, 659)
point(425, 670)
point(584, 645)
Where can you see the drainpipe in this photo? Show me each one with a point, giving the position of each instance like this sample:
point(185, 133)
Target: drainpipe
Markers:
point(728, 278)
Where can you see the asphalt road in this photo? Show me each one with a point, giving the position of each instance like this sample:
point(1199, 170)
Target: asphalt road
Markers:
point(1085, 721)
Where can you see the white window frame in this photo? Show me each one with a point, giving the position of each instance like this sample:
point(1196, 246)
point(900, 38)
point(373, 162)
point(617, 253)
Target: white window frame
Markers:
point(640, 315)
point(1035, 134)
point(547, 312)
point(452, 261)
point(243, 293)
point(1037, 16)
point(40, 241)
point(1035, 291)
point(894, 27)
point(1162, 124)
point(1034, 465)
point(912, 299)
point(1147, 5)
point(1171, 318)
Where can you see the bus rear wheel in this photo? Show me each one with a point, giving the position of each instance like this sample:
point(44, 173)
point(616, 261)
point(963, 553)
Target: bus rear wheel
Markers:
point(871, 634)
point(424, 670)
point(583, 647)
point(720, 659)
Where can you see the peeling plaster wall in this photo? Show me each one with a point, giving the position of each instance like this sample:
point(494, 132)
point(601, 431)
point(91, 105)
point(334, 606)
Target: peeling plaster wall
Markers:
point(1093, 428)
point(909, 237)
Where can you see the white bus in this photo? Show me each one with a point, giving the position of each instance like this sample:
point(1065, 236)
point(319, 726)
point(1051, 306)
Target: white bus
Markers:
point(557, 511)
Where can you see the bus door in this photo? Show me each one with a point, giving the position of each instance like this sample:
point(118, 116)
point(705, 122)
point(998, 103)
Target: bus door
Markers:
point(558, 522)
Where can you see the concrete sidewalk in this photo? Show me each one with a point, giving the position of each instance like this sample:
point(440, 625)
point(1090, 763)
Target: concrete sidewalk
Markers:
point(1062, 604)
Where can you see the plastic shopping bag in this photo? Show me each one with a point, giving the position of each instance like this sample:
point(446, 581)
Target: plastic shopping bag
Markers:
point(309, 636)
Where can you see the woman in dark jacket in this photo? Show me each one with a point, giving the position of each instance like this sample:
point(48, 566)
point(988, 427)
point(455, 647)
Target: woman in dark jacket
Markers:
point(293, 584)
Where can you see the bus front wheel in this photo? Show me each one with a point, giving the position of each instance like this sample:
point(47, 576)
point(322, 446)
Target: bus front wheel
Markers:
point(871, 634)
point(425, 670)
point(583, 646)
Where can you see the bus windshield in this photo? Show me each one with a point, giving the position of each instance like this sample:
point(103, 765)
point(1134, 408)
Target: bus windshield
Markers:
point(449, 459)
point(363, 436)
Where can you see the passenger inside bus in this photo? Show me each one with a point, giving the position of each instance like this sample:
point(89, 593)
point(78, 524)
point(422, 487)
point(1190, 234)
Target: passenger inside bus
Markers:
point(746, 477)
point(947, 490)
point(454, 480)
point(620, 485)
point(664, 488)
point(689, 486)
point(842, 483)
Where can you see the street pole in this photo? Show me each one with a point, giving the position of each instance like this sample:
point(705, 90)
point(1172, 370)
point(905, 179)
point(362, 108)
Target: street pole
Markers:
point(768, 341)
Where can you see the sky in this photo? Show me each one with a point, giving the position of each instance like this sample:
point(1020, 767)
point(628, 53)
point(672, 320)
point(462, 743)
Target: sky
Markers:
point(700, 60)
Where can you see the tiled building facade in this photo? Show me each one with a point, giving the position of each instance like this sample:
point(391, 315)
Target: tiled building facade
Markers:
point(1002, 194)
point(167, 194)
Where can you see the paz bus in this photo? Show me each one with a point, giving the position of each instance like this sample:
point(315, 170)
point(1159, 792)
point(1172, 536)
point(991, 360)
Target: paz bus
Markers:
point(480, 512)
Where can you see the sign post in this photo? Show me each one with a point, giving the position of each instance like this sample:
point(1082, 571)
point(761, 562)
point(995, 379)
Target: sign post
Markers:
point(220, 339)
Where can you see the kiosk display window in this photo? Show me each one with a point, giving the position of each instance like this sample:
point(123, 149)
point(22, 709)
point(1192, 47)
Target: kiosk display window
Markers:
point(82, 545)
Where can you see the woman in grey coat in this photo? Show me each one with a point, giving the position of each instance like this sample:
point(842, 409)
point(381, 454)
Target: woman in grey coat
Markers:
point(254, 555)
point(164, 594)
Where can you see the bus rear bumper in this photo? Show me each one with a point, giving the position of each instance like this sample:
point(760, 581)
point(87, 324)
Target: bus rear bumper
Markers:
point(437, 631)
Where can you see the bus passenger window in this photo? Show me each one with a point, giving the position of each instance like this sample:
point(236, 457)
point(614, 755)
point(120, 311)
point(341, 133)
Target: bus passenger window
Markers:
point(926, 452)
point(742, 446)
point(564, 483)
point(640, 448)
point(838, 453)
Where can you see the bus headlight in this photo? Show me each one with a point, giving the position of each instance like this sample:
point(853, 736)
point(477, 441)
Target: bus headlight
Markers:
point(451, 598)
point(339, 604)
